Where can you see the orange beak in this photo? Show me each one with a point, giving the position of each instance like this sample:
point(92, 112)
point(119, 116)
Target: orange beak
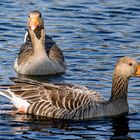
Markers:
point(34, 23)
point(138, 71)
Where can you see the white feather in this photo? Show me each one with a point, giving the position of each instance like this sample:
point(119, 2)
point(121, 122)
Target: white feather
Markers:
point(3, 93)
point(17, 101)
point(25, 36)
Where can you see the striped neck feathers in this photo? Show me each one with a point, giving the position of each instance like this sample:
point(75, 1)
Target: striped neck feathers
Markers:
point(119, 87)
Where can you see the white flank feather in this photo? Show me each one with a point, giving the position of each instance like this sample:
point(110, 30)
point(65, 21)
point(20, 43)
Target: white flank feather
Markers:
point(17, 101)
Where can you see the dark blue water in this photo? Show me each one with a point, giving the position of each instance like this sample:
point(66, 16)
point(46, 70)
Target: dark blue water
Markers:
point(93, 34)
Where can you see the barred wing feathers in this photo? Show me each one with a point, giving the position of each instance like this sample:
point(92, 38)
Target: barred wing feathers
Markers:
point(56, 101)
point(26, 51)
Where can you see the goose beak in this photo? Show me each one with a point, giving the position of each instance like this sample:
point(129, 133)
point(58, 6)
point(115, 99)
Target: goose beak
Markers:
point(138, 71)
point(34, 23)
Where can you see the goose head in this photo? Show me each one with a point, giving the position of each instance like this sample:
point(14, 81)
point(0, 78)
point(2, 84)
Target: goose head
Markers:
point(35, 21)
point(127, 67)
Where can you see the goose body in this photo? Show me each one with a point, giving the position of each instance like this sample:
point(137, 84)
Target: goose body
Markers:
point(66, 101)
point(39, 55)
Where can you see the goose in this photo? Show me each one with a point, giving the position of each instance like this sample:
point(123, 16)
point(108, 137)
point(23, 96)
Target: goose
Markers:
point(72, 102)
point(39, 55)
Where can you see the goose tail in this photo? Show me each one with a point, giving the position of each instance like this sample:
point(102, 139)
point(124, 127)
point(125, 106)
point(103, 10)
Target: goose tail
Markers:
point(18, 102)
point(6, 94)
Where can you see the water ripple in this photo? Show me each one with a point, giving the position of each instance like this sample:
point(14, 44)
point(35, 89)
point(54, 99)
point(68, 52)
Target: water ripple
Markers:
point(92, 35)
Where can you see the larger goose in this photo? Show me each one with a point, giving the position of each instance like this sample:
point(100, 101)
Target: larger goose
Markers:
point(39, 55)
point(65, 101)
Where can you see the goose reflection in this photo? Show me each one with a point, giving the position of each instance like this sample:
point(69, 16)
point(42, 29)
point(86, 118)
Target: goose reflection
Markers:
point(44, 78)
point(120, 126)
point(30, 126)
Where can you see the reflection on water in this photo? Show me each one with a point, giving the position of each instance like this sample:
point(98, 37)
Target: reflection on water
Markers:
point(33, 127)
point(92, 35)
point(44, 78)
point(120, 127)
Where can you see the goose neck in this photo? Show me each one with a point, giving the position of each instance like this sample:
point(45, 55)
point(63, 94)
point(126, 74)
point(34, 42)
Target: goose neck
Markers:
point(38, 39)
point(119, 88)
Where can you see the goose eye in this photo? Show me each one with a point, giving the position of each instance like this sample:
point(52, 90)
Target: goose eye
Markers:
point(130, 64)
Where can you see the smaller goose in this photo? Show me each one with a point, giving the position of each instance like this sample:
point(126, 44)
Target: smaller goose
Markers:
point(66, 101)
point(39, 55)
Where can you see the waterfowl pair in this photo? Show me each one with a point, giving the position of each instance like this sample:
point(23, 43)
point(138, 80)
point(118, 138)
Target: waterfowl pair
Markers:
point(39, 55)
point(65, 101)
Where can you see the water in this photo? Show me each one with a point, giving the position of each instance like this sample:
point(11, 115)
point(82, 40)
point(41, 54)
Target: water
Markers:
point(92, 35)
